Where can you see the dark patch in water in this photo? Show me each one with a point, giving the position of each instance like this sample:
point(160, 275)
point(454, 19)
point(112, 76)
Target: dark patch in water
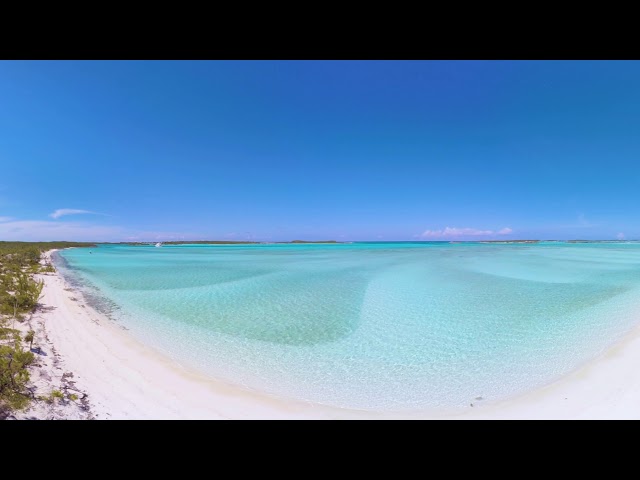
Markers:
point(89, 292)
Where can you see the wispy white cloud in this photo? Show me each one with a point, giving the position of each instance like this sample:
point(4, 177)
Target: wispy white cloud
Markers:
point(49, 230)
point(61, 212)
point(152, 235)
point(45, 230)
point(620, 236)
point(453, 232)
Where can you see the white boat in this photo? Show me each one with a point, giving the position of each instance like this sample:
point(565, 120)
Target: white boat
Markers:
point(159, 244)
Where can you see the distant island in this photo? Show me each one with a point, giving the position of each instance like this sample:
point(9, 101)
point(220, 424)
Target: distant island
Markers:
point(199, 242)
point(515, 241)
point(335, 242)
point(224, 242)
point(311, 241)
point(560, 241)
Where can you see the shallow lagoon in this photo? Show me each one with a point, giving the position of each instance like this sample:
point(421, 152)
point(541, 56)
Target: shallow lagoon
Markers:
point(379, 326)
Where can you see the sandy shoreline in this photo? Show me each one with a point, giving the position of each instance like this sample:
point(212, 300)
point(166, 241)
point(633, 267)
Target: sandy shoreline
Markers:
point(607, 387)
point(124, 379)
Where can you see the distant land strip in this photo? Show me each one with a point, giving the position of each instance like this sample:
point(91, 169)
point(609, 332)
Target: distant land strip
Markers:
point(221, 242)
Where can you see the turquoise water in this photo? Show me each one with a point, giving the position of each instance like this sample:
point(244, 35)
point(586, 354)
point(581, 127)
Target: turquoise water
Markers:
point(384, 326)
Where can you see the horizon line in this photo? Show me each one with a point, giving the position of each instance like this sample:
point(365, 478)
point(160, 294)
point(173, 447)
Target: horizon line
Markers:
point(328, 241)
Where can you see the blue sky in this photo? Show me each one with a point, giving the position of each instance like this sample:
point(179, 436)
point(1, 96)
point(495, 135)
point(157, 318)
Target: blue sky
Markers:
point(346, 150)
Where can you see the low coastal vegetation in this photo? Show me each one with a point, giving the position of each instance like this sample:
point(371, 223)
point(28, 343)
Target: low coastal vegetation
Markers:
point(19, 296)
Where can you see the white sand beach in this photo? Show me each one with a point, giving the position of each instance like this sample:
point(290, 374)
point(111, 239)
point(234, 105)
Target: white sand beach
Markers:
point(608, 387)
point(124, 379)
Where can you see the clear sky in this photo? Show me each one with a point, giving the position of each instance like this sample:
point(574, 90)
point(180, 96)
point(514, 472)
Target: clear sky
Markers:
point(345, 150)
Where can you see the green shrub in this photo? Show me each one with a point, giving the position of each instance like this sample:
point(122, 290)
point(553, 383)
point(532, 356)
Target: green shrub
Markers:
point(19, 295)
point(47, 268)
point(29, 338)
point(14, 376)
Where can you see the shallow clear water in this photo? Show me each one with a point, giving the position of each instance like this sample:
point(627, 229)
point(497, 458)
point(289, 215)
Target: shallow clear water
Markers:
point(385, 326)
